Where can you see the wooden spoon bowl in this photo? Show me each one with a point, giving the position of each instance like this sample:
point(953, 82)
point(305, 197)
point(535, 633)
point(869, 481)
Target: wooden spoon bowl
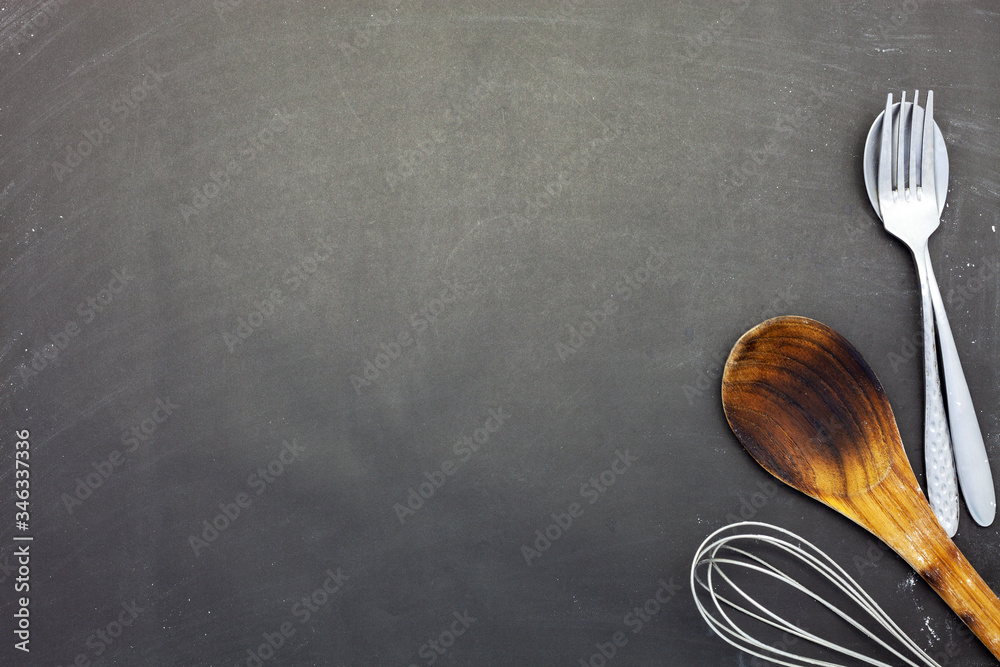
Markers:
point(808, 407)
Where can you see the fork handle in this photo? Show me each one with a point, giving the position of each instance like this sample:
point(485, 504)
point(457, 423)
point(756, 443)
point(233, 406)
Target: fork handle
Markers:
point(974, 475)
point(939, 459)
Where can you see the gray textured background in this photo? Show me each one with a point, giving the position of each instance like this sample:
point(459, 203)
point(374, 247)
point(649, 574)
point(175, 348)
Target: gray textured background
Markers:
point(531, 155)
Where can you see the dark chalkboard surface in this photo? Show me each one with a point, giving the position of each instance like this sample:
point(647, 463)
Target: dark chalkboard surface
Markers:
point(391, 333)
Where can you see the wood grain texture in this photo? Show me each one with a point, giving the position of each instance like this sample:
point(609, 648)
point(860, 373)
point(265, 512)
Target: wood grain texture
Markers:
point(807, 406)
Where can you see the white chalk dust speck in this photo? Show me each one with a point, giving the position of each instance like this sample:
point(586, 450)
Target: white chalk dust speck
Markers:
point(927, 624)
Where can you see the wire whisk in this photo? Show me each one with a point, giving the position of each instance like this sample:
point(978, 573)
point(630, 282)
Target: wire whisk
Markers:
point(717, 595)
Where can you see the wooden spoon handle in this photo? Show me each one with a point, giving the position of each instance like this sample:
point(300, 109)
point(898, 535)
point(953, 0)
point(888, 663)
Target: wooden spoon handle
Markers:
point(909, 527)
point(959, 585)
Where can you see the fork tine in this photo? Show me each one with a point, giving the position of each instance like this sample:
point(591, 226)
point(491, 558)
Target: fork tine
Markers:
point(885, 153)
point(915, 137)
point(928, 184)
point(898, 153)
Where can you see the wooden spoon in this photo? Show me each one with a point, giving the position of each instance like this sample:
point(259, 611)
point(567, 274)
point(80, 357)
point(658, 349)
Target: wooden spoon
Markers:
point(808, 407)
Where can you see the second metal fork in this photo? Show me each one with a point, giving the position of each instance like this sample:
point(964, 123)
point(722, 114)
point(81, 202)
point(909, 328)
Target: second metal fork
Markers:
point(909, 207)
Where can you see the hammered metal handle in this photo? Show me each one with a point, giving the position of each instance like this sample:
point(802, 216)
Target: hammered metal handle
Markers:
point(942, 484)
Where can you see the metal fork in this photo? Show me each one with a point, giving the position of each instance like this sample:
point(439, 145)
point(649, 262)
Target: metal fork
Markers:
point(908, 202)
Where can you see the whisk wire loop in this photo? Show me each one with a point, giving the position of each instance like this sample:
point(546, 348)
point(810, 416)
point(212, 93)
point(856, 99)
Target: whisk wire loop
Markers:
point(717, 552)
